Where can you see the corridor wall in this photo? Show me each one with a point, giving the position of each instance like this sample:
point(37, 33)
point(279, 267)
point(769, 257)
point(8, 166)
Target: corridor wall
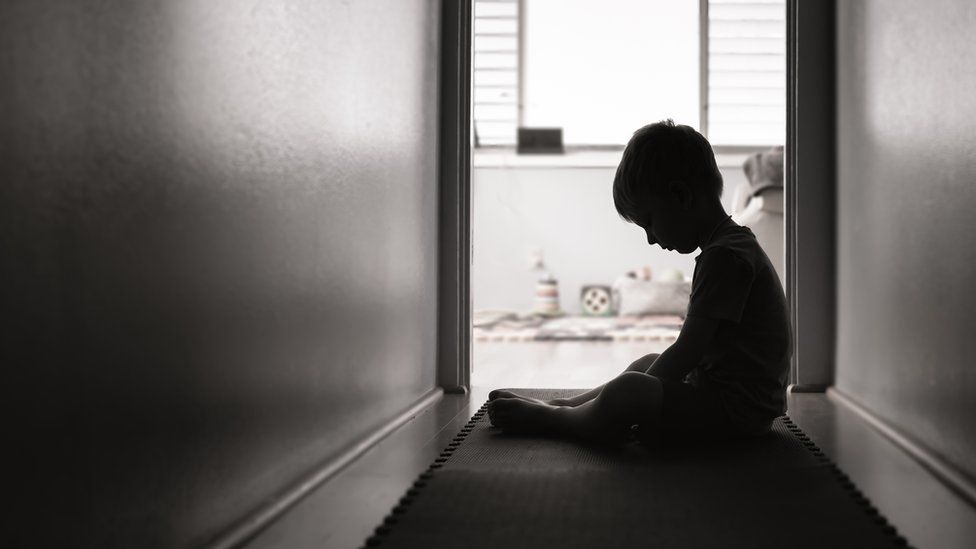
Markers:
point(217, 252)
point(906, 248)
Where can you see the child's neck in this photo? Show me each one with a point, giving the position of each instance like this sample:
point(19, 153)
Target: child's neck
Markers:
point(711, 216)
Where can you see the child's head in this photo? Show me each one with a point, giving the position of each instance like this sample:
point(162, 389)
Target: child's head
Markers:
point(667, 173)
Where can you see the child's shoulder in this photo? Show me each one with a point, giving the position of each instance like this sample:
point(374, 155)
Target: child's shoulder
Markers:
point(734, 243)
point(731, 272)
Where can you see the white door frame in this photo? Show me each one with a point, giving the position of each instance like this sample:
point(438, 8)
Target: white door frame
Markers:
point(810, 208)
point(454, 195)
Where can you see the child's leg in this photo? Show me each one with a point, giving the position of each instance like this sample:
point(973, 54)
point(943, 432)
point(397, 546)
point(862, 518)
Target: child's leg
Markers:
point(641, 365)
point(630, 398)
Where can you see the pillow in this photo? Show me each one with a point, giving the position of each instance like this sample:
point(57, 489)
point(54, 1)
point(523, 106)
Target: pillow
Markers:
point(633, 296)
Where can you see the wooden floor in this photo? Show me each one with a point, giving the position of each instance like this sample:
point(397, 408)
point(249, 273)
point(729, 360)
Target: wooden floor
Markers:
point(552, 364)
point(343, 512)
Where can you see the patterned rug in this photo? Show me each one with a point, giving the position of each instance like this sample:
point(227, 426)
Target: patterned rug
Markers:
point(492, 327)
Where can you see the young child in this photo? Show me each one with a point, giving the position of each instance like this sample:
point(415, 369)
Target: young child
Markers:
point(726, 373)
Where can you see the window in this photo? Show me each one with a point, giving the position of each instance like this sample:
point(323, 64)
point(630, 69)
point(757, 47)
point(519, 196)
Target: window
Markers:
point(599, 68)
point(496, 71)
point(746, 72)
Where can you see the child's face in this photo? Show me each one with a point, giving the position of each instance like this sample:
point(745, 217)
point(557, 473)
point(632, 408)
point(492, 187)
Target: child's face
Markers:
point(668, 223)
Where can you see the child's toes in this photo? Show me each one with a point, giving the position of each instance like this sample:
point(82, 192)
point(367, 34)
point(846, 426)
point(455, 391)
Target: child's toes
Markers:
point(500, 393)
point(494, 416)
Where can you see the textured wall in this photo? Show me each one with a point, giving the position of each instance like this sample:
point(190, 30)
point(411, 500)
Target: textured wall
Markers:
point(906, 197)
point(217, 223)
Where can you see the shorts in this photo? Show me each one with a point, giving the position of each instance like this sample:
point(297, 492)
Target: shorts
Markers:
point(689, 412)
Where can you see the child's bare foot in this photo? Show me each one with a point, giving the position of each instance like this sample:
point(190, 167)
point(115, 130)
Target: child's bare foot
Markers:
point(504, 393)
point(523, 416)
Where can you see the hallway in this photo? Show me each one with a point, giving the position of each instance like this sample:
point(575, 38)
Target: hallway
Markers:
point(236, 250)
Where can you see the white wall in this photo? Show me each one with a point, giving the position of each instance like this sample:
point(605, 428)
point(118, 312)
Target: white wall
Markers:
point(568, 212)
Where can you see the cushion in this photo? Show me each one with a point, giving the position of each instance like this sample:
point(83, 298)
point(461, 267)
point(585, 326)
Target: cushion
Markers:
point(633, 296)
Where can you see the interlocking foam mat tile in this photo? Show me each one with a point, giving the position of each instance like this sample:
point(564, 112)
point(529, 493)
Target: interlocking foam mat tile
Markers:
point(496, 490)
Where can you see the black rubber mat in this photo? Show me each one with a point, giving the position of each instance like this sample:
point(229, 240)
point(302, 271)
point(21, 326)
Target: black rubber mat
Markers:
point(492, 489)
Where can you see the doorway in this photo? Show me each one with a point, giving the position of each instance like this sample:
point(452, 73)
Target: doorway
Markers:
point(547, 244)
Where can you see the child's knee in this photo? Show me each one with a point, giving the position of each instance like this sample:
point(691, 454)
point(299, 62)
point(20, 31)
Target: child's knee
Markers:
point(636, 381)
point(643, 363)
point(632, 397)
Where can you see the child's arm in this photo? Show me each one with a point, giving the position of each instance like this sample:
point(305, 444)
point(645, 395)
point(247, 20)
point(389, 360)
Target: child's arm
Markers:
point(687, 351)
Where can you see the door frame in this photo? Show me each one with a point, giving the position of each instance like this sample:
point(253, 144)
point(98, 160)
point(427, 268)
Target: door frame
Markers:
point(454, 199)
point(809, 209)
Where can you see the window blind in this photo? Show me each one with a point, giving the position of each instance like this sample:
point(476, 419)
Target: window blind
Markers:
point(745, 102)
point(746, 72)
point(495, 88)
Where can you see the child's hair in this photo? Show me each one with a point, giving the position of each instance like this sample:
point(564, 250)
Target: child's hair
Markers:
point(658, 153)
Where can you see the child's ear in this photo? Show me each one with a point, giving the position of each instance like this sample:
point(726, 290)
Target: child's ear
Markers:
point(681, 192)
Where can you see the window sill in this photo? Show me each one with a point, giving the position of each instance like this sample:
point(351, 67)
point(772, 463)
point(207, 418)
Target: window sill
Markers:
point(576, 159)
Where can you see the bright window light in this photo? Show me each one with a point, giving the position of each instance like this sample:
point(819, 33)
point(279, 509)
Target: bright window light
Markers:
point(601, 69)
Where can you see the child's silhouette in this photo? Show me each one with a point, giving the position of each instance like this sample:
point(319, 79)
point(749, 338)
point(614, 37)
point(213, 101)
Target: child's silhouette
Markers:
point(726, 372)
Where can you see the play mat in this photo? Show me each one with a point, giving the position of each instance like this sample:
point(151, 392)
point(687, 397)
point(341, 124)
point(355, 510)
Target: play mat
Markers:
point(492, 326)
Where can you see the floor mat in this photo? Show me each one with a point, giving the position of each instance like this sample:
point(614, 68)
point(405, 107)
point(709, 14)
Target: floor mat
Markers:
point(492, 489)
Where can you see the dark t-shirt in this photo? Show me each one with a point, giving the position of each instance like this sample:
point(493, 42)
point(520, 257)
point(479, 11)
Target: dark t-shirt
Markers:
point(748, 360)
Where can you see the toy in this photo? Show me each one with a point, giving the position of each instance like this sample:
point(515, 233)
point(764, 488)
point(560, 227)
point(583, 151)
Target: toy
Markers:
point(671, 275)
point(596, 300)
point(546, 288)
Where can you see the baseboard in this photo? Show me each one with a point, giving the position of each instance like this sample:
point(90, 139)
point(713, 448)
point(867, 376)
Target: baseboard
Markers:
point(247, 528)
point(806, 388)
point(956, 480)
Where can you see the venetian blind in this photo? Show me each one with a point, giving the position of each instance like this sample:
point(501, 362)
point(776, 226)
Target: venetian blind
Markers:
point(746, 72)
point(745, 77)
point(496, 71)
